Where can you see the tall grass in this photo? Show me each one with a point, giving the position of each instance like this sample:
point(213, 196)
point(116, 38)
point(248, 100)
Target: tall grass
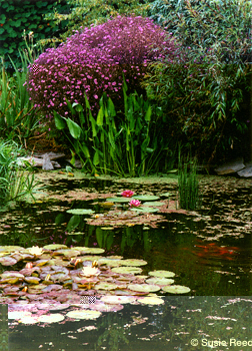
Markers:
point(18, 117)
point(15, 182)
point(189, 197)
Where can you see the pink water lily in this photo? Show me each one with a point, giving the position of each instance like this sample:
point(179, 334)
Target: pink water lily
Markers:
point(135, 203)
point(127, 193)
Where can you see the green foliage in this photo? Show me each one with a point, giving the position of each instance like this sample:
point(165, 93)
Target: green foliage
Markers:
point(85, 13)
point(14, 183)
point(201, 96)
point(131, 146)
point(17, 16)
point(188, 183)
point(18, 117)
point(222, 26)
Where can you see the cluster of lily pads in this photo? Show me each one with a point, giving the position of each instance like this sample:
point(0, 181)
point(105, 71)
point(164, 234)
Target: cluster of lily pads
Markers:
point(58, 274)
point(125, 209)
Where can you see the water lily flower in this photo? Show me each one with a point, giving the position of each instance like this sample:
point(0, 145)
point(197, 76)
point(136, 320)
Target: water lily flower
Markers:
point(29, 265)
point(127, 193)
point(90, 271)
point(36, 251)
point(135, 203)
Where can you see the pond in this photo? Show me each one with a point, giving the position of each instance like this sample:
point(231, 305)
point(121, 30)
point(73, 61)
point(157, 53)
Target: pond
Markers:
point(179, 323)
point(209, 251)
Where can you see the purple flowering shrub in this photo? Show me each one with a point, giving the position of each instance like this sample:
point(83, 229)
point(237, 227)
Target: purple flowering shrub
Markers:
point(92, 61)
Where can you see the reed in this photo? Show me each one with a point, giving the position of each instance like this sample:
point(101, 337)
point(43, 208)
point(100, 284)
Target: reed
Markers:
point(189, 197)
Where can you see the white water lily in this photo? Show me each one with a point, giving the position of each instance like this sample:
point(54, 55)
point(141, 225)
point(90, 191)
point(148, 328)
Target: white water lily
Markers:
point(90, 271)
point(35, 250)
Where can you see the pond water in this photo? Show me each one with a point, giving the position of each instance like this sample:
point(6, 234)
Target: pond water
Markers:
point(180, 323)
point(210, 251)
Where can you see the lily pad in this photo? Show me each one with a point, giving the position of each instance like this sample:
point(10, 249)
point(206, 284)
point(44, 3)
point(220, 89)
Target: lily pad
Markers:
point(80, 211)
point(145, 209)
point(55, 247)
point(7, 261)
point(133, 262)
point(127, 270)
point(51, 318)
point(84, 314)
point(92, 250)
point(143, 287)
point(105, 286)
point(162, 274)
point(117, 299)
point(145, 197)
point(118, 199)
point(159, 281)
point(10, 248)
point(151, 300)
point(176, 289)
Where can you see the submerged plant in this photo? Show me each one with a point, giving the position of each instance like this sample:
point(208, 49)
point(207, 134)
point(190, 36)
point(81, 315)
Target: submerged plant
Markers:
point(188, 183)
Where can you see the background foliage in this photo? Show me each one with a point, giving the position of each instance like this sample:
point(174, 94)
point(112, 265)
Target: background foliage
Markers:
point(17, 16)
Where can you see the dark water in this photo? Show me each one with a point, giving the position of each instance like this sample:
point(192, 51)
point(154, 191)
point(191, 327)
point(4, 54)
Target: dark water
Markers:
point(181, 323)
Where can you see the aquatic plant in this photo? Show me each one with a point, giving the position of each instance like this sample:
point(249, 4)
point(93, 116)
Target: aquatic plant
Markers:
point(131, 146)
point(188, 184)
point(135, 203)
point(127, 193)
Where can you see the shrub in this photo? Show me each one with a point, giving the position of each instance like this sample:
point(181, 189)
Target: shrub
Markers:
point(92, 62)
point(201, 97)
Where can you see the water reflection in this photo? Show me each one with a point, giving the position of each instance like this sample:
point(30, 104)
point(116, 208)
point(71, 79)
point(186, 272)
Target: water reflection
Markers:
point(181, 323)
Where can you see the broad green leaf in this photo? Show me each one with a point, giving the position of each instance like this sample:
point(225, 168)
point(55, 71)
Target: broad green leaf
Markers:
point(74, 128)
point(148, 114)
point(96, 159)
point(100, 117)
point(59, 122)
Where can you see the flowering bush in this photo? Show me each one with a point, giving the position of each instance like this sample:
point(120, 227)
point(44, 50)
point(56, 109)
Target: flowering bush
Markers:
point(134, 203)
point(93, 61)
point(127, 193)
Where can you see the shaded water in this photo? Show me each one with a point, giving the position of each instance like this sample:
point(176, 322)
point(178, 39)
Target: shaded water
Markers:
point(181, 323)
point(210, 254)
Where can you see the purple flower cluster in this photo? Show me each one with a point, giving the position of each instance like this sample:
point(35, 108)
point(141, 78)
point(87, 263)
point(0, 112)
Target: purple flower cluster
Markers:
point(92, 62)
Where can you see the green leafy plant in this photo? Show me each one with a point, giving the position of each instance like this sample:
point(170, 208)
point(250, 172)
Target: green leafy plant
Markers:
point(127, 146)
point(188, 182)
point(202, 95)
point(15, 183)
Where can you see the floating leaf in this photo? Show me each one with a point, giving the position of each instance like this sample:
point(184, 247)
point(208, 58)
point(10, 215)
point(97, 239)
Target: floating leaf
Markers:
point(143, 287)
point(92, 250)
point(133, 262)
point(151, 300)
point(127, 270)
point(118, 199)
point(145, 209)
point(10, 248)
point(118, 299)
point(159, 281)
point(32, 280)
point(83, 314)
point(55, 247)
point(105, 286)
point(162, 274)
point(51, 318)
point(80, 211)
point(176, 289)
point(7, 261)
point(146, 197)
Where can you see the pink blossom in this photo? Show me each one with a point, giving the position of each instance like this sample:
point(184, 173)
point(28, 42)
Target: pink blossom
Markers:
point(135, 203)
point(127, 193)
